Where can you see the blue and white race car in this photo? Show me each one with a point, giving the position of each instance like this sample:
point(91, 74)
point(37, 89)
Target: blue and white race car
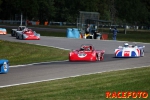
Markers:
point(4, 66)
point(3, 31)
point(129, 51)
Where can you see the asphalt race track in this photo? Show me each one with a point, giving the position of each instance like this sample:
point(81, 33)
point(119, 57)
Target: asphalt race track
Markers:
point(54, 70)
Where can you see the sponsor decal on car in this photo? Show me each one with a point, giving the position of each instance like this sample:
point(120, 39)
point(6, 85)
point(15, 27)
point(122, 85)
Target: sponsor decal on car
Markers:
point(126, 53)
point(82, 55)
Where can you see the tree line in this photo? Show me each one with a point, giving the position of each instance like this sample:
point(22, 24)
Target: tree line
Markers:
point(117, 11)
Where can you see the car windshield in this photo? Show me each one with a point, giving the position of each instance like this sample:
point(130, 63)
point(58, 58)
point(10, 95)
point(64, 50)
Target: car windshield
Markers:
point(86, 48)
point(23, 28)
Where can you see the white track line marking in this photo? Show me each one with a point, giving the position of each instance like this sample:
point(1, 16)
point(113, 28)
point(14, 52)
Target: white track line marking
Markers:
point(68, 77)
point(63, 61)
point(37, 63)
point(50, 46)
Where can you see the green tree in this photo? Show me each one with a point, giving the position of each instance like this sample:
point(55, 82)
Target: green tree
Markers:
point(16, 7)
point(133, 11)
point(104, 9)
point(29, 8)
point(46, 10)
point(0, 5)
point(128, 11)
point(146, 4)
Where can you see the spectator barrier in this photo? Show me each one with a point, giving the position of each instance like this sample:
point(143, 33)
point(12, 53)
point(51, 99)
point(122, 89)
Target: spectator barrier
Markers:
point(73, 33)
point(104, 36)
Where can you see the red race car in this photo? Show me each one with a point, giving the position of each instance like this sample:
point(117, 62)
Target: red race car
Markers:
point(86, 53)
point(27, 34)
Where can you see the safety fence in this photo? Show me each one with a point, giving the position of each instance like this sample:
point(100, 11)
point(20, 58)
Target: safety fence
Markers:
point(28, 22)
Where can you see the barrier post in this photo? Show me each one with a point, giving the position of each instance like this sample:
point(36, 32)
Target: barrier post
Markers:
point(46, 23)
point(105, 36)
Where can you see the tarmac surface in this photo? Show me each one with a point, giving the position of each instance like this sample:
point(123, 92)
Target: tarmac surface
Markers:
point(57, 70)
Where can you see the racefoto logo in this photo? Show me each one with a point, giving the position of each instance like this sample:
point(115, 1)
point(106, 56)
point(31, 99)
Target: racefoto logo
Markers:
point(127, 94)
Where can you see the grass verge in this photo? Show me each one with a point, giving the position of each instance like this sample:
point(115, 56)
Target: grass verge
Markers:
point(133, 36)
point(87, 87)
point(23, 53)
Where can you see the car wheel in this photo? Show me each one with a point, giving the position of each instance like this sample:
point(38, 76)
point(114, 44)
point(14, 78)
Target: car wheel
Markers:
point(97, 57)
point(14, 34)
point(22, 37)
point(17, 37)
point(5, 65)
point(11, 33)
point(142, 53)
point(101, 58)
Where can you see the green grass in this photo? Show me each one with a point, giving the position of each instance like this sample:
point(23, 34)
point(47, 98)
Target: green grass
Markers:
point(87, 87)
point(133, 36)
point(23, 53)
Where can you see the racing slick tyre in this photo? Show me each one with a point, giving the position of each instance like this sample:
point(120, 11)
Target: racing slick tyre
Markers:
point(97, 58)
point(142, 53)
point(5, 65)
point(11, 33)
point(17, 37)
point(22, 37)
point(101, 58)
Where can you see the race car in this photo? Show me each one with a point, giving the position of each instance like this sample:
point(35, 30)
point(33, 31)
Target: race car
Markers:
point(86, 53)
point(129, 51)
point(3, 31)
point(27, 34)
point(19, 29)
point(4, 66)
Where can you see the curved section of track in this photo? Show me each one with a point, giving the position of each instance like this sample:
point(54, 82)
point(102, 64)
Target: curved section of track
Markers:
point(54, 70)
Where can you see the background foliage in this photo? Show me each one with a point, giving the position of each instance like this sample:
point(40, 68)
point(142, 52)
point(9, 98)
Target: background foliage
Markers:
point(128, 11)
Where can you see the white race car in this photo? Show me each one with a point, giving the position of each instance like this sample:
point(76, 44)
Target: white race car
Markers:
point(19, 29)
point(27, 34)
point(129, 51)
